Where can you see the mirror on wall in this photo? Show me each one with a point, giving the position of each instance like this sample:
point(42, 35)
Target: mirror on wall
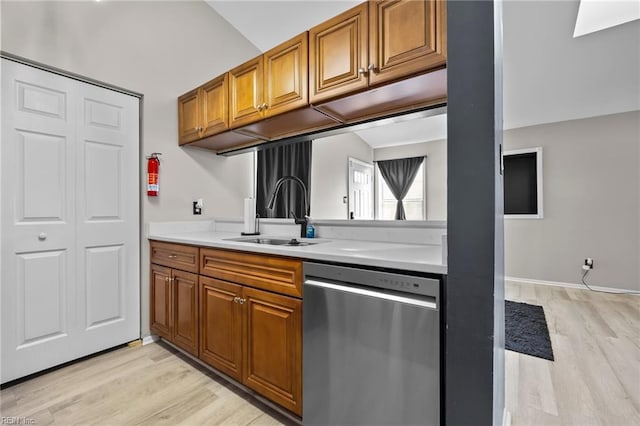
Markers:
point(346, 182)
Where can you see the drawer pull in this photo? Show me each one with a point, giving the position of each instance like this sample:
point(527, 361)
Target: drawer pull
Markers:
point(172, 256)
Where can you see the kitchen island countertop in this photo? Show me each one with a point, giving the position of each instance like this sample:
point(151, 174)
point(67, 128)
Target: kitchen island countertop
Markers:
point(407, 257)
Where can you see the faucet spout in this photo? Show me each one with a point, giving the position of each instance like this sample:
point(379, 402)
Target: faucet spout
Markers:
point(272, 200)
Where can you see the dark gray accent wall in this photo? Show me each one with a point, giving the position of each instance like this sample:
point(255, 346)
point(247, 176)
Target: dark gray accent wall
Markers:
point(474, 342)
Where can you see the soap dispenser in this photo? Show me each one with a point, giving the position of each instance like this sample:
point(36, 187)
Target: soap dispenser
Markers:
point(311, 230)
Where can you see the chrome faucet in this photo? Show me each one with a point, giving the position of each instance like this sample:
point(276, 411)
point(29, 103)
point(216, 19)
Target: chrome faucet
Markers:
point(299, 221)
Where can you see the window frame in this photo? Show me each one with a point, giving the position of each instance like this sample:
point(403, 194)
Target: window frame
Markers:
point(539, 182)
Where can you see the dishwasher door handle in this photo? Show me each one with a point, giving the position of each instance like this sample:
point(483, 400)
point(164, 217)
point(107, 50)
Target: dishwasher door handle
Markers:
point(416, 300)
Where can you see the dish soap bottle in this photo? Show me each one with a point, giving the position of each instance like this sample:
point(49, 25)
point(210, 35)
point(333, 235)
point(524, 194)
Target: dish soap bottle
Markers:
point(311, 230)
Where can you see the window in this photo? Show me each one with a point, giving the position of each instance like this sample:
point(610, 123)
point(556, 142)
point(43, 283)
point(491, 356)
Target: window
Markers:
point(277, 162)
point(415, 206)
point(523, 183)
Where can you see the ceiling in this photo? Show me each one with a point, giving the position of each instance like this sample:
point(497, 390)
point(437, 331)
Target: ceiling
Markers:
point(549, 75)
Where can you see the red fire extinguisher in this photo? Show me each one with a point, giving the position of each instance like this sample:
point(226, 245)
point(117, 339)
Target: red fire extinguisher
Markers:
point(153, 166)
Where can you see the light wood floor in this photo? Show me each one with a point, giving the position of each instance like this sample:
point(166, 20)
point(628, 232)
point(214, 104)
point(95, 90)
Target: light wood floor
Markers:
point(595, 378)
point(145, 385)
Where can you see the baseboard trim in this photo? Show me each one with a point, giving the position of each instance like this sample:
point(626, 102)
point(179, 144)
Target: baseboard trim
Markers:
point(149, 339)
point(567, 285)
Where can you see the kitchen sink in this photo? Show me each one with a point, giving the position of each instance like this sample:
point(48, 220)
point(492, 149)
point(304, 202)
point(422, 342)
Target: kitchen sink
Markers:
point(292, 242)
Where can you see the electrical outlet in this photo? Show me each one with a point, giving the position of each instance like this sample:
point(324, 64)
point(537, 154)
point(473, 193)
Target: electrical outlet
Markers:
point(197, 206)
point(588, 264)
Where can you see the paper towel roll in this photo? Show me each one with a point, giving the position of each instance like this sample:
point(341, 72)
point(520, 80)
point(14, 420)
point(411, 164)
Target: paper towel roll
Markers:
point(249, 215)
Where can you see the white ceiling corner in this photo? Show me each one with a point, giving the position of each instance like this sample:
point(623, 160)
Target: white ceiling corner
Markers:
point(597, 15)
point(426, 129)
point(267, 23)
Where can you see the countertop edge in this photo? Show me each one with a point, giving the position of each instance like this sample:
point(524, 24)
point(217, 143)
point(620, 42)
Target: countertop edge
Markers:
point(304, 253)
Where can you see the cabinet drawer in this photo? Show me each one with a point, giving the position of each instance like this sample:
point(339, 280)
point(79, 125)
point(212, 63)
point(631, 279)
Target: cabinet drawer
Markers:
point(278, 274)
point(176, 256)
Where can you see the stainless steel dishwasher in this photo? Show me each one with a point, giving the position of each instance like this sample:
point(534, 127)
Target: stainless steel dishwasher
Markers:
point(371, 347)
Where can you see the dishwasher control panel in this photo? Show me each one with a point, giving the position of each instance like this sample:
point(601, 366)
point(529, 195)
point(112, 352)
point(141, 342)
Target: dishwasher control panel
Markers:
point(379, 279)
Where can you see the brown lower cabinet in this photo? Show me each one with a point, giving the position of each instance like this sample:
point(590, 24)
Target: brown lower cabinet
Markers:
point(221, 326)
point(242, 314)
point(174, 306)
point(254, 336)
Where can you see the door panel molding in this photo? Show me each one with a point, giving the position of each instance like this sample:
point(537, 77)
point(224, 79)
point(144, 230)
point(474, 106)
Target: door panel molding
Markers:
point(71, 286)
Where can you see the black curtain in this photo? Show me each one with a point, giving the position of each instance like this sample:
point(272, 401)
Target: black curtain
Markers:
point(399, 175)
point(274, 163)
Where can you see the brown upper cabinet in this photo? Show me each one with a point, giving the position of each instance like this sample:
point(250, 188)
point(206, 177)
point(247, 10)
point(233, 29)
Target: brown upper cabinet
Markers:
point(270, 84)
point(338, 55)
point(325, 78)
point(203, 112)
point(373, 43)
point(405, 37)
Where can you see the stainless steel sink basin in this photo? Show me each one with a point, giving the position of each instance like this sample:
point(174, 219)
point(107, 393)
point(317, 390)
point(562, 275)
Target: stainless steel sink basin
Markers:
point(292, 242)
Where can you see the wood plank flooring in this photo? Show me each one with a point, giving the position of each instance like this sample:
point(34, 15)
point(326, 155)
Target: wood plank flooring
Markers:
point(595, 378)
point(144, 385)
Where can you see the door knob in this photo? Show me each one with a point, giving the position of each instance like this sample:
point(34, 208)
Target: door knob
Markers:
point(42, 236)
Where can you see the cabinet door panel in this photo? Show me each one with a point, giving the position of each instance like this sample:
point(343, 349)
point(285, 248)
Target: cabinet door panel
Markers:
point(245, 93)
point(215, 108)
point(285, 70)
point(273, 347)
point(221, 326)
point(161, 301)
point(185, 324)
point(338, 49)
point(404, 38)
point(188, 117)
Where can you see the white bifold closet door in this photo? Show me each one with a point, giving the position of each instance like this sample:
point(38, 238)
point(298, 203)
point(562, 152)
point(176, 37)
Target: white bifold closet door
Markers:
point(70, 259)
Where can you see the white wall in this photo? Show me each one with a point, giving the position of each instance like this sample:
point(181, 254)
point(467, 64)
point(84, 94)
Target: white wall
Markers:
point(436, 153)
point(591, 203)
point(159, 49)
point(329, 173)
point(550, 76)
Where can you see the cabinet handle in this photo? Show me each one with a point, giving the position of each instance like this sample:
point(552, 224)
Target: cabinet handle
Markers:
point(242, 301)
point(258, 107)
point(166, 279)
point(264, 106)
point(172, 256)
point(372, 67)
point(362, 71)
point(42, 236)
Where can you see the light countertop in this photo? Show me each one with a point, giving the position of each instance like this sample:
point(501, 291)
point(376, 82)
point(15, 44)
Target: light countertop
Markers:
point(408, 257)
